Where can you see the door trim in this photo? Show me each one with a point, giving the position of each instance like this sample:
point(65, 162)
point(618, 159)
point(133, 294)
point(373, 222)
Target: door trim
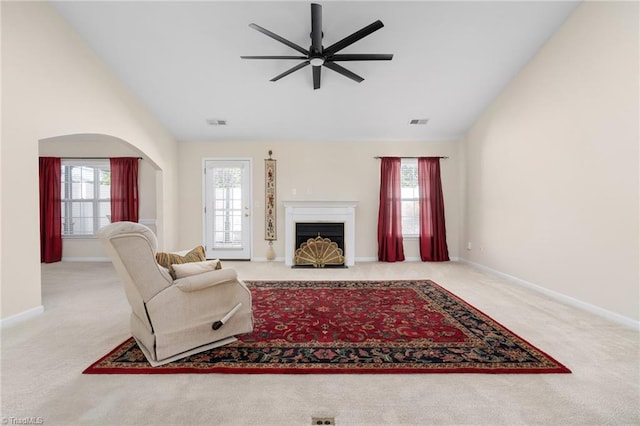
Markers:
point(204, 197)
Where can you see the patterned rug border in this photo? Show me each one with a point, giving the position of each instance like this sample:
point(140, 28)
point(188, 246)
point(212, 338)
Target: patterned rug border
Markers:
point(480, 368)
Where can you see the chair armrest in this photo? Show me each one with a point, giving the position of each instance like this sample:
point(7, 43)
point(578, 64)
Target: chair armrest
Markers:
point(206, 280)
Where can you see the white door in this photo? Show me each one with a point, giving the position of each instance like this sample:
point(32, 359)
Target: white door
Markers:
point(227, 218)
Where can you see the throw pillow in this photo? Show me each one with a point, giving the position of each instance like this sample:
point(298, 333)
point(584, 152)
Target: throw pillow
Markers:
point(194, 268)
point(168, 259)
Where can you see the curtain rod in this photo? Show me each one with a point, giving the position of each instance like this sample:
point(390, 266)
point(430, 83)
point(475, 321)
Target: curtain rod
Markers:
point(377, 158)
point(92, 158)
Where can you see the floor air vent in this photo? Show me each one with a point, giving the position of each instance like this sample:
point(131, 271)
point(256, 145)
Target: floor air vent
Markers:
point(323, 421)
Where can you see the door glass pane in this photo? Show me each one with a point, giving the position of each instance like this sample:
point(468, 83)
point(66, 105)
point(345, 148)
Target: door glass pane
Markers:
point(227, 222)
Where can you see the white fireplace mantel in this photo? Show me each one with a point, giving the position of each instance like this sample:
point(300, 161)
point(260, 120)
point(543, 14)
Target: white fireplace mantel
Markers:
point(320, 211)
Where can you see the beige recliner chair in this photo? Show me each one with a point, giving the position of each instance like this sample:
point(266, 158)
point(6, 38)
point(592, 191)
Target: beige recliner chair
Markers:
point(171, 319)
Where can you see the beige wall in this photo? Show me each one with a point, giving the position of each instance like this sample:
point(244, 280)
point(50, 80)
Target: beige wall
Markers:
point(552, 166)
point(315, 171)
point(545, 185)
point(53, 85)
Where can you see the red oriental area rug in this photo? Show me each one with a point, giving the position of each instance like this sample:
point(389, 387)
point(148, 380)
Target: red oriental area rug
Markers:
point(372, 327)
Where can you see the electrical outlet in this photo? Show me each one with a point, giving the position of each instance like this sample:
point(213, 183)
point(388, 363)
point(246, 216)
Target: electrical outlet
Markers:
point(323, 421)
point(469, 245)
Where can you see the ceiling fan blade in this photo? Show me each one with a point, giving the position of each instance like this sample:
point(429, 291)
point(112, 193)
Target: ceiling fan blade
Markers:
point(273, 57)
point(349, 40)
point(361, 57)
point(316, 29)
point(290, 70)
point(316, 77)
point(342, 70)
point(280, 39)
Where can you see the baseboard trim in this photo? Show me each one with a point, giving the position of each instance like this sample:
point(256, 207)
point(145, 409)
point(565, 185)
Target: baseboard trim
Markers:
point(264, 259)
point(22, 316)
point(596, 310)
point(408, 259)
point(86, 259)
point(357, 259)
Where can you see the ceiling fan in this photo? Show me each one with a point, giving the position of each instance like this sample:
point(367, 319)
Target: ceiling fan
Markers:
point(317, 55)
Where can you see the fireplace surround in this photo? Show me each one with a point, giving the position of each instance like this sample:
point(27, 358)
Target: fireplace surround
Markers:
point(319, 212)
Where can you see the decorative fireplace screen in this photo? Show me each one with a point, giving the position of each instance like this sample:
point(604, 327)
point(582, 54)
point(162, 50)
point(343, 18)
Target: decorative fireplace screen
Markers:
point(319, 252)
point(319, 244)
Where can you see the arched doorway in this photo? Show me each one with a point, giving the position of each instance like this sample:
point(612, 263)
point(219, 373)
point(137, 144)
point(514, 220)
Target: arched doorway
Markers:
point(99, 146)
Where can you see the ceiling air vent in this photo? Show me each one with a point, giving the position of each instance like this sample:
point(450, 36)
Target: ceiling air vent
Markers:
point(216, 122)
point(420, 121)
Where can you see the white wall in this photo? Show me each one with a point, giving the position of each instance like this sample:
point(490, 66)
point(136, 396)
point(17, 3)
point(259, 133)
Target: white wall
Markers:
point(552, 166)
point(54, 85)
point(342, 171)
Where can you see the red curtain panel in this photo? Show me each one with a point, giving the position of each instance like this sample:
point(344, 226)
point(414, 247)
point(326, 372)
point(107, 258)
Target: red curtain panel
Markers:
point(433, 234)
point(390, 248)
point(50, 210)
point(124, 189)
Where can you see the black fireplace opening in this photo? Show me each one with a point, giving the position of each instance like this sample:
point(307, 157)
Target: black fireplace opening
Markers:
point(331, 230)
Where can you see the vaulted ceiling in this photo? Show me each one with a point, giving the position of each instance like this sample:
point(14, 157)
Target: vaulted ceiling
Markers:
point(182, 59)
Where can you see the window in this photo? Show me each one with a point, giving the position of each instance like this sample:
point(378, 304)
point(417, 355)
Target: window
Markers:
point(86, 196)
point(410, 197)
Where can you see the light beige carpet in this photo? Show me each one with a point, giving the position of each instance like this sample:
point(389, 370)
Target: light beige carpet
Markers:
point(86, 314)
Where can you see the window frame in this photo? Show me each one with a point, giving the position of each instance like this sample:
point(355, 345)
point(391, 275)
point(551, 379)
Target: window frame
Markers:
point(97, 165)
point(415, 198)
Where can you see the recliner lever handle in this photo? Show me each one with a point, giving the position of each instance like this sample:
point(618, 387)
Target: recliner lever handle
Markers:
point(216, 325)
